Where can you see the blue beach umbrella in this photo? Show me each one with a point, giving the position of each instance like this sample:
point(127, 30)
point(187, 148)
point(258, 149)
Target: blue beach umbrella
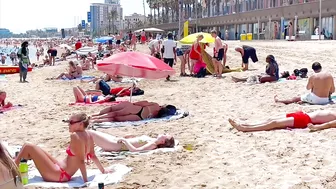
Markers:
point(103, 39)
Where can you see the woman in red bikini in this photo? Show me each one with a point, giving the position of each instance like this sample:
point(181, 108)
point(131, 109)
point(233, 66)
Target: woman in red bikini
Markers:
point(81, 147)
point(318, 120)
point(195, 52)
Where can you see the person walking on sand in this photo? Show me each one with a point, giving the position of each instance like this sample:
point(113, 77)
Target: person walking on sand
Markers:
point(247, 52)
point(24, 61)
point(218, 54)
point(321, 86)
point(169, 52)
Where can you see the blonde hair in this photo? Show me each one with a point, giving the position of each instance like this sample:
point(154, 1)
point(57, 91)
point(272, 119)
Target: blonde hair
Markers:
point(7, 162)
point(84, 118)
point(200, 35)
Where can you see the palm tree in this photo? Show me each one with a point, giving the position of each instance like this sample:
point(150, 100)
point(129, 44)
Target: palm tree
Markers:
point(113, 14)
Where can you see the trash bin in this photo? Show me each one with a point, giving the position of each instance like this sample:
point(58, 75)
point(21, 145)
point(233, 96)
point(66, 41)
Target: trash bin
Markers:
point(249, 36)
point(242, 37)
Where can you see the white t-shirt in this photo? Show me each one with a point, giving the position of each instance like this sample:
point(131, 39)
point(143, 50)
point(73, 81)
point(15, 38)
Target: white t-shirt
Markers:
point(154, 43)
point(169, 45)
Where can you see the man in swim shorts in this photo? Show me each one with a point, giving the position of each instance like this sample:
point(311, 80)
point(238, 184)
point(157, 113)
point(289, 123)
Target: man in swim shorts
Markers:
point(218, 54)
point(246, 53)
point(321, 85)
point(118, 39)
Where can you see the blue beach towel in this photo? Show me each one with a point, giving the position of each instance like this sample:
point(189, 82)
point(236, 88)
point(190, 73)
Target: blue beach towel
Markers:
point(179, 115)
point(80, 78)
point(3, 78)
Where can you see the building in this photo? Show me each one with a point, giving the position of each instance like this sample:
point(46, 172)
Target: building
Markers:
point(116, 2)
point(106, 18)
point(134, 21)
point(5, 33)
point(267, 17)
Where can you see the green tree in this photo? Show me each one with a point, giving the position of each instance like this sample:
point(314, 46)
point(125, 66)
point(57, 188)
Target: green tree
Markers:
point(112, 16)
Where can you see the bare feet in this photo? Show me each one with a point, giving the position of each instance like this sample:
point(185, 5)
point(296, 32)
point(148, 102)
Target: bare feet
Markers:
point(237, 126)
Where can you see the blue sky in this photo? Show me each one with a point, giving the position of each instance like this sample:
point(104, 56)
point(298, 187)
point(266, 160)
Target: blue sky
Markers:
point(22, 15)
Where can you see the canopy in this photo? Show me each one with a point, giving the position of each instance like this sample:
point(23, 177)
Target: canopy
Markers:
point(190, 39)
point(103, 39)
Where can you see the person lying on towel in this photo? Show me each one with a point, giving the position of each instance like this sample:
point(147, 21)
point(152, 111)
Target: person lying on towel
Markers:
point(271, 72)
point(127, 111)
point(81, 147)
point(321, 86)
point(91, 98)
point(131, 143)
point(106, 78)
point(103, 88)
point(3, 104)
point(318, 120)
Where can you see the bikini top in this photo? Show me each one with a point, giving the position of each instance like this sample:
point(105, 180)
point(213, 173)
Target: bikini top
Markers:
point(70, 153)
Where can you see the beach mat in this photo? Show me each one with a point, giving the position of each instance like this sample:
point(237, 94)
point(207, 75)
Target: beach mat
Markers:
point(94, 177)
point(207, 59)
point(80, 78)
point(2, 110)
point(127, 80)
point(124, 154)
point(179, 115)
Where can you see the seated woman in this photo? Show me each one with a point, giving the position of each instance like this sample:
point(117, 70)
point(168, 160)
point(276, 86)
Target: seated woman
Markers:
point(272, 72)
point(106, 78)
point(131, 143)
point(91, 97)
point(81, 147)
point(127, 111)
point(75, 71)
point(46, 60)
point(8, 170)
point(85, 63)
point(3, 104)
point(318, 120)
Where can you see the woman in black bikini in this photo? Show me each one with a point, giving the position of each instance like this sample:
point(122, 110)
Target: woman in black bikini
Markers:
point(127, 111)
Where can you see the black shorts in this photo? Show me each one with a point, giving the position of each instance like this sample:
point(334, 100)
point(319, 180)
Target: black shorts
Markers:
point(220, 55)
point(104, 87)
point(251, 53)
point(53, 53)
point(118, 42)
point(169, 61)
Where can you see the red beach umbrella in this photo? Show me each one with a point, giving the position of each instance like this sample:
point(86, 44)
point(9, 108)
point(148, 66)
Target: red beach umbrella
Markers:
point(135, 64)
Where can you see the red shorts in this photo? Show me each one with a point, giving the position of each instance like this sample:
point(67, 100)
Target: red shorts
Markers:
point(143, 38)
point(301, 119)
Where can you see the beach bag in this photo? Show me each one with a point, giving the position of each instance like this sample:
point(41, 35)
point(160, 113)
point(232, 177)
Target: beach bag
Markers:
point(198, 66)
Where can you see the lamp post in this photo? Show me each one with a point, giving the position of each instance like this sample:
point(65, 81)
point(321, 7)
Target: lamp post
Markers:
point(320, 20)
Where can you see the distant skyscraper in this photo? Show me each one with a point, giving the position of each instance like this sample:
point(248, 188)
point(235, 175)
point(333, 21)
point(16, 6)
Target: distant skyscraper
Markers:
point(100, 13)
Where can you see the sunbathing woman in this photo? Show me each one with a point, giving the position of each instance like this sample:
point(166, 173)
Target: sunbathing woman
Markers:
point(81, 147)
point(9, 172)
point(91, 97)
point(3, 104)
point(106, 78)
point(75, 71)
point(131, 143)
point(127, 111)
point(318, 120)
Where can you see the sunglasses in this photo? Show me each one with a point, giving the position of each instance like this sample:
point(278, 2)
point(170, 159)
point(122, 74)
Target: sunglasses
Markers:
point(71, 122)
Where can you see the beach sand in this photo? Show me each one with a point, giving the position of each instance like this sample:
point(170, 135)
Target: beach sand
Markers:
point(221, 156)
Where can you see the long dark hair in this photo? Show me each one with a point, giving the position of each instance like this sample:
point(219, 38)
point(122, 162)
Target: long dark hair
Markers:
point(7, 161)
point(24, 48)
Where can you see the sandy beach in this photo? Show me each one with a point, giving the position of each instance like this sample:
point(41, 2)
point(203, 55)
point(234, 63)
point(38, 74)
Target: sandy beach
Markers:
point(221, 156)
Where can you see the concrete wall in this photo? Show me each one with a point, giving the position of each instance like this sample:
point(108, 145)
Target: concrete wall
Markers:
point(305, 10)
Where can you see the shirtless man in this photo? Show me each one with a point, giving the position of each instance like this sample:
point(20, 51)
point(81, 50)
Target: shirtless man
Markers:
point(247, 52)
point(218, 54)
point(118, 39)
point(154, 46)
point(318, 120)
point(321, 85)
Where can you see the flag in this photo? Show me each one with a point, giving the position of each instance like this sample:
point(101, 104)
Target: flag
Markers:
point(185, 28)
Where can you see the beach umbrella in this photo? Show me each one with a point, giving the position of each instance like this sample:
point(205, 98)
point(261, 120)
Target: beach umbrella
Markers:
point(86, 50)
point(190, 39)
point(103, 39)
point(135, 65)
point(149, 30)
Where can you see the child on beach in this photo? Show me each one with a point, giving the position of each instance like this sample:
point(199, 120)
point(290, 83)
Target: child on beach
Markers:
point(3, 104)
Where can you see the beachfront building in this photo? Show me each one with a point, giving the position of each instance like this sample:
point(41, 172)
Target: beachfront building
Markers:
point(106, 17)
point(134, 21)
point(263, 18)
point(5, 33)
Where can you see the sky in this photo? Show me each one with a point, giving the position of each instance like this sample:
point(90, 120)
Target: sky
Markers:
point(21, 15)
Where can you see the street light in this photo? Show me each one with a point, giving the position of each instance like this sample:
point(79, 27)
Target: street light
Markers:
point(320, 20)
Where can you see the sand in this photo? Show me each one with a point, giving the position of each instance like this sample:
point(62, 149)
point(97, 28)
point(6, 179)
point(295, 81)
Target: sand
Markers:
point(221, 157)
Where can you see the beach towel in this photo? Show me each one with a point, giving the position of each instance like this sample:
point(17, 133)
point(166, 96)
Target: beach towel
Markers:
point(3, 78)
point(80, 78)
point(2, 110)
point(124, 154)
point(94, 177)
point(93, 104)
point(127, 80)
point(178, 115)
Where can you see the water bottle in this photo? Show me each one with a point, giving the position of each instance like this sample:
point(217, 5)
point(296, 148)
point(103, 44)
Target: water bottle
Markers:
point(101, 185)
point(23, 167)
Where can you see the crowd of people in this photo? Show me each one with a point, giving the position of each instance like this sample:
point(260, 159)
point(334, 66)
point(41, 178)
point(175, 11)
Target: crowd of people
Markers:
point(82, 140)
